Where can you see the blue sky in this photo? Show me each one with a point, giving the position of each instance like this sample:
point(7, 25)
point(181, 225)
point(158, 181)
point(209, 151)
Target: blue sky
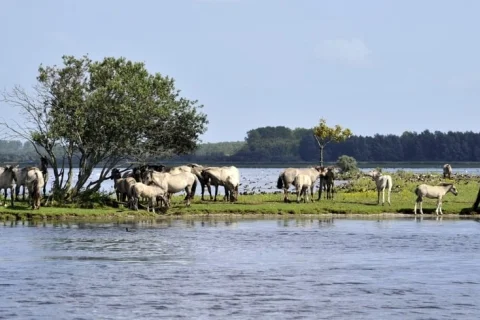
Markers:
point(372, 66)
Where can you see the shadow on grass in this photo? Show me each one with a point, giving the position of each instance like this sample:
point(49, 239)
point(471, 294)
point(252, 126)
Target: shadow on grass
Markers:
point(19, 208)
point(469, 211)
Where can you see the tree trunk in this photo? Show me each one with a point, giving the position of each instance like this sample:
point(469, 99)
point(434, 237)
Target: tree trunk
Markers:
point(321, 156)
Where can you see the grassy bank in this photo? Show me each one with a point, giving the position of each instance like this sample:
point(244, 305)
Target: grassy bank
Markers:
point(356, 197)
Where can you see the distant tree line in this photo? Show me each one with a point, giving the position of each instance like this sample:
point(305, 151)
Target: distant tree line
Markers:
point(284, 145)
point(281, 144)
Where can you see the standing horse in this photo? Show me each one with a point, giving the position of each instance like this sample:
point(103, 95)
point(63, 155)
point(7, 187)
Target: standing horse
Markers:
point(286, 178)
point(382, 182)
point(172, 183)
point(330, 181)
point(7, 177)
point(433, 192)
point(35, 185)
point(21, 178)
point(323, 181)
point(44, 169)
point(447, 171)
point(302, 183)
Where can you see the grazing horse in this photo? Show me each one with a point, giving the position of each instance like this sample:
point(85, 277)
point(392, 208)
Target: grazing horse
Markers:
point(7, 177)
point(35, 185)
point(382, 182)
point(302, 183)
point(286, 178)
point(172, 183)
point(229, 177)
point(433, 192)
point(330, 181)
point(447, 171)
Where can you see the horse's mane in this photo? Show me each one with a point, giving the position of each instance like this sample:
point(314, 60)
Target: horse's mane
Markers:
point(445, 184)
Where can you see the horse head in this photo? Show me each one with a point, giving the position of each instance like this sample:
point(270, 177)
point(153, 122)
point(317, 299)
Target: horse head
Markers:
point(115, 174)
point(453, 190)
point(147, 176)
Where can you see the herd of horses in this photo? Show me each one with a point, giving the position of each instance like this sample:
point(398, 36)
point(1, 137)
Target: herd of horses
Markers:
point(32, 178)
point(155, 184)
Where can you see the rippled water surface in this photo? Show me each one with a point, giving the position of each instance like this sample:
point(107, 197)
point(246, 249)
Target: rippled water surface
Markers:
point(242, 269)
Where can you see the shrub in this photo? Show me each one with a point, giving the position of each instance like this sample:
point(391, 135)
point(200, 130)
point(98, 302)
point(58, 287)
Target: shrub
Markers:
point(347, 164)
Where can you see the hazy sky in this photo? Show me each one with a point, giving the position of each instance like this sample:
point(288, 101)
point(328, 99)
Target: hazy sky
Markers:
point(372, 66)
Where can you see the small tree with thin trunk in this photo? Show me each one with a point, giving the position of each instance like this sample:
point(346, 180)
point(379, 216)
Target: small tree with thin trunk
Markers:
point(325, 134)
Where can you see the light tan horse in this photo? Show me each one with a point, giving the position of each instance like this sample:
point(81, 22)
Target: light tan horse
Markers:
point(302, 184)
point(228, 176)
point(7, 178)
point(286, 178)
point(172, 183)
point(433, 192)
point(35, 183)
point(382, 182)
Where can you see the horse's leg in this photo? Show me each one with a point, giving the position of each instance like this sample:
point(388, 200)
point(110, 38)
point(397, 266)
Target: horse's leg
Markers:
point(216, 192)
point(285, 194)
point(189, 193)
point(11, 195)
point(203, 190)
point(389, 192)
point(320, 187)
point(383, 196)
point(209, 191)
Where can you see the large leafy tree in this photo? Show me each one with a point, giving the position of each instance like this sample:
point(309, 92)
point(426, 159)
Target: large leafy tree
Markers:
point(103, 112)
point(325, 134)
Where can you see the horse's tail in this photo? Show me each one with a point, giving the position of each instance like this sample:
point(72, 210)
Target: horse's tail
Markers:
point(280, 181)
point(416, 190)
point(35, 192)
point(194, 188)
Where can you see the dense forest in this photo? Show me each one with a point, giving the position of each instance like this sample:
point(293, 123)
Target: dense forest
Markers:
point(284, 145)
point(280, 144)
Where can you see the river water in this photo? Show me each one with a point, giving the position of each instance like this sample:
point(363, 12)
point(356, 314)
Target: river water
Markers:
point(234, 268)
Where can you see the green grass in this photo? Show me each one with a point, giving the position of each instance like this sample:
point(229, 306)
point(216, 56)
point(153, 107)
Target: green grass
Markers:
point(358, 197)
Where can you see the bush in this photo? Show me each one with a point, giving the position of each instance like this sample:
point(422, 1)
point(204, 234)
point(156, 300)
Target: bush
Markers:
point(347, 164)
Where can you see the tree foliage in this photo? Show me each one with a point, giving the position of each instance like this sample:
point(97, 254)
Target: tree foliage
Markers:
point(325, 134)
point(347, 163)
point(105, 112)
